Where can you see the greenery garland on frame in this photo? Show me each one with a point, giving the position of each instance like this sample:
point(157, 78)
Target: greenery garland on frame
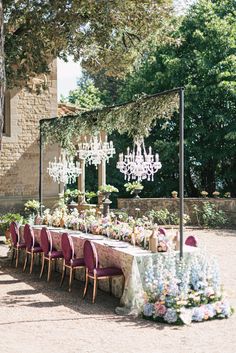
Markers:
point(135, 118)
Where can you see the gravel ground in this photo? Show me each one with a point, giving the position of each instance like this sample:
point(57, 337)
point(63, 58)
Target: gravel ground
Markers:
point(40, 317)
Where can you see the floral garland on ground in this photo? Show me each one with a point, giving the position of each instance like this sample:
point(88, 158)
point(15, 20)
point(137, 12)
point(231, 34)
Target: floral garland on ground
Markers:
point(184, 291)
point(131, 118)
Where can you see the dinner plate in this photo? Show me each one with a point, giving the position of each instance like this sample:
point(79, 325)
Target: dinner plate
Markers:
point(117, 245)
point(92, 237)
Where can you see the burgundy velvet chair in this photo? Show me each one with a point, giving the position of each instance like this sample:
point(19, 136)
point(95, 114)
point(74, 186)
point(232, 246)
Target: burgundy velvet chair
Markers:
point(94, 271)
point(191, 241)
point(70, 261)
point(162, 231)
point(32, 248)
point(49, 253)
point(17, 246)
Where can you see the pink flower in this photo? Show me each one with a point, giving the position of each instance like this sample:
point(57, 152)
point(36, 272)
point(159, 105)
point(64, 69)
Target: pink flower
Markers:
point(160, 309)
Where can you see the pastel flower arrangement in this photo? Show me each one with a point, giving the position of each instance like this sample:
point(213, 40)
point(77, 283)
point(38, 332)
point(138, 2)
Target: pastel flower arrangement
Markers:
point(184, 291)
point(133, 230)
point(73, 219)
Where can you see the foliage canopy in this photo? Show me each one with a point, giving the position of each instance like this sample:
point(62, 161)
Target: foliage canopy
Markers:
point(103, 33)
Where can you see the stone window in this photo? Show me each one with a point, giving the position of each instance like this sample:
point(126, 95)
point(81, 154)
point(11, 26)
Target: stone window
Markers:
point(7, 114)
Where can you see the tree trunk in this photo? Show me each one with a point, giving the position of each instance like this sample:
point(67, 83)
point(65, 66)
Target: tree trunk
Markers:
point(192, 190)
point(2, 73)
point(208, 177)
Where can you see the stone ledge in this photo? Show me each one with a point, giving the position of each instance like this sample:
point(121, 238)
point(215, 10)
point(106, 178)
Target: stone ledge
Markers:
point(172, 204)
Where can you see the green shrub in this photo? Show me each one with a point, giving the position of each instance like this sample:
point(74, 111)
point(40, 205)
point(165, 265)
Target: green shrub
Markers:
point(165, 217)
point(121, 215)
point(5, 221)
point(210, 216)
point(160, 216)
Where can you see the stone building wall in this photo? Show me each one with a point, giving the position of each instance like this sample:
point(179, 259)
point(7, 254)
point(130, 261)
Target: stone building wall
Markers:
point(147, 204)
point(19, 157)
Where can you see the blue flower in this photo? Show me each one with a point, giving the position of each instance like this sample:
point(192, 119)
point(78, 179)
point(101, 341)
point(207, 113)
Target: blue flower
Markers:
point(170, 316)
point(211, 312)
point(198, 314)
point(225, 309)
point(148, 309)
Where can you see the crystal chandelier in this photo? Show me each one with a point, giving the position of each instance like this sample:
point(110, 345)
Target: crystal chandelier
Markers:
point(95, 150)
point(138, 164)
point(64, 170)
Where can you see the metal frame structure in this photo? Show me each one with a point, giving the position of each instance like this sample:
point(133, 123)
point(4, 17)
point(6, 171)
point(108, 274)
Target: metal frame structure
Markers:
point(180, 91)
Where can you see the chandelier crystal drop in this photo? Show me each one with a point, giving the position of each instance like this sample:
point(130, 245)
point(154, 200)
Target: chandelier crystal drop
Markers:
point(64, 170)
point(138, 164)
point(95, 150)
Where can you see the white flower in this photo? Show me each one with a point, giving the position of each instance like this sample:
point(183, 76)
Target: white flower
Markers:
point(186, 315)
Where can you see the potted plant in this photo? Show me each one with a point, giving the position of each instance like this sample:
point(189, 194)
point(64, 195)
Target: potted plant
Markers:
point(174, 194)
point(134, 188)
point(89, 195)
point(106, 190)
point(227, 195)
point(204, 193)
point(73, 196)
point(216, 194)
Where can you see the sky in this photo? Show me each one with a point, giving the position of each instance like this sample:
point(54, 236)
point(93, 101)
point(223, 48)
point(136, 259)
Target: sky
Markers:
point(67, 76)
point(69, 72)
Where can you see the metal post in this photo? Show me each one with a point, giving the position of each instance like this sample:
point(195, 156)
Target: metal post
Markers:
point(181, 168)
point(40, 169)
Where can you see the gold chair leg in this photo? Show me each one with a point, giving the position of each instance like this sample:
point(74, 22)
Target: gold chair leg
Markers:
point(63, 273)
point(32, 262)
point(42, 267)
point(110, 285)
point(86, 283)
point(123, 285)
point(70, 279)
point(25, 263)
point(13, 255)
point(49, 269)
point(17, 257)
point(94, 289)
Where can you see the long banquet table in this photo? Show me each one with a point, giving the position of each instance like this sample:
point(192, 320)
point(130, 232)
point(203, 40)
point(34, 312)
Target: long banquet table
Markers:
point(131, 259)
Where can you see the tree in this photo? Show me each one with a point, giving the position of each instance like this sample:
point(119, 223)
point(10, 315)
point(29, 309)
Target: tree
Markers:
point(203, 60)
point(103, 34)
point(86, 95)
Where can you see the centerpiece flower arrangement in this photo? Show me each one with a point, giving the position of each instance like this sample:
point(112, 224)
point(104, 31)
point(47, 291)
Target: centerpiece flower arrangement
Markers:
point(47, 217)
point(183, 291)
point(133, 230)
point(74, 219)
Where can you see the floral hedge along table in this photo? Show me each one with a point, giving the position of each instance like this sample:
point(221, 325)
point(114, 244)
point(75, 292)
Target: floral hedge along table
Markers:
point(158, 286)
